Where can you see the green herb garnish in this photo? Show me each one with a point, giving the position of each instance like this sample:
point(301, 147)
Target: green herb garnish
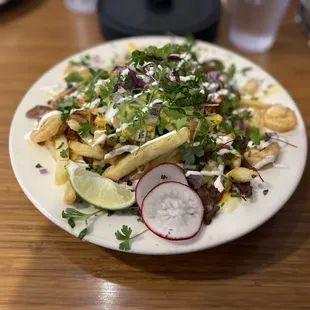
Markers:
point(65, 153)
point(38, 166)
point(265, 191)
point(125, 236)
point(86, 128)
point(72, 215)
point(231, 71)
point(74, 77)
point(255, 135)
point(60, 146)
point(181, 122)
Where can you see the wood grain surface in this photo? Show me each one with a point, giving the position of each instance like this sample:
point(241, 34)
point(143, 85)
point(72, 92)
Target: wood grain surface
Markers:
point(43, 267)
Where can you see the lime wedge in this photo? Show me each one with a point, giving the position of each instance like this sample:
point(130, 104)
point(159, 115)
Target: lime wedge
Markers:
point(97, 190)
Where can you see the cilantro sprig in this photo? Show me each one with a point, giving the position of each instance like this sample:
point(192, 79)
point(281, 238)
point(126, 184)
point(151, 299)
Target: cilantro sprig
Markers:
point(72, 215)
point(255, 135)
point(86, 128)
point(65, 153)
point(124, 235)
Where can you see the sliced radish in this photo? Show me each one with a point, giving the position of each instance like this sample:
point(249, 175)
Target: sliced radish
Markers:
point(173, 211)
point(157, 175)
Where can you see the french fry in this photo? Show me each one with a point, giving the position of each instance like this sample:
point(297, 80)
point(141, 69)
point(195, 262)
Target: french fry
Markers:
point(74, 157)
point(74, 125)
point(255, 104)
point(48, 130)
point(62, 159)
point(147, 153)
point(170, 157)
point(250, 88)
point(70, 195)
point(86, 151)
point(50, 145)
point(100, 134)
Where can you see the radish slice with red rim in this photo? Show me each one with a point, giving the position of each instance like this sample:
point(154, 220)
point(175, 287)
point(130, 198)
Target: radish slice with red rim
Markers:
point(173, 211)
point(157, 175)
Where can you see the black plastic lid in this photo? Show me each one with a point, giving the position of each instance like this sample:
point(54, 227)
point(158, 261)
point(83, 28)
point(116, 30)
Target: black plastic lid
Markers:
point(149, 17)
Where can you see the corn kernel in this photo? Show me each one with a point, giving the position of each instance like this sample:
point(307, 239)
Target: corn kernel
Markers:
point(150, 128)
point(100, 122)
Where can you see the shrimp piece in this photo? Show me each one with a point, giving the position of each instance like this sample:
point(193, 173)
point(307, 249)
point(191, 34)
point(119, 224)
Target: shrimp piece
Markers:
point(256, 104)
point(280, 118)
point(259, 159)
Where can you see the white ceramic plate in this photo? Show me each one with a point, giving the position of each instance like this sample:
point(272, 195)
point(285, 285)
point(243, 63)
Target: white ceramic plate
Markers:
point(228, 225)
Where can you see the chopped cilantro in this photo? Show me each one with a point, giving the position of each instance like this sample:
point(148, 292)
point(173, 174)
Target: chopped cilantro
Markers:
point(65, 107)
point(74, 77)
point(231, 71)
point(228, 105)
point(86, 128)
point(255, 135)
point(38, 166)
point(164, 177)
point(181, 122)
point(190, 153)
point(65, 153)
point(265, 191)
point(97, 168)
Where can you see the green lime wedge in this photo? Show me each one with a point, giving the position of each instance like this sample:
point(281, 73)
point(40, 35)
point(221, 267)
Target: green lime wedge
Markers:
point(97, 190)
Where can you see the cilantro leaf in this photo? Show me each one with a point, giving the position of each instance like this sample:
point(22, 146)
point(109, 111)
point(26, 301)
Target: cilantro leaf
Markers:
point(181, 122)
point(97, 168)
point(83, 233)
point(65, 116)
point(125, 236)
point(86, 128)
point(228, 105)
point(164, 177)
point(38, 166)
point(65, 107)
point(231, 71)
point(255, 135)
point(265, 192)
point(190, 152)
point(65, 153)
point(162, 126)
point(71, 222)
point(74, 77)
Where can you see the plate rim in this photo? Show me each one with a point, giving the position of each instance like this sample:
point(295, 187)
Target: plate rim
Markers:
point(97, 241)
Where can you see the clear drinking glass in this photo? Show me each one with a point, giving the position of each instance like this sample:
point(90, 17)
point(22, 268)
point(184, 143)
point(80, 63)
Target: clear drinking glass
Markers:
point(255, 23)
point(82, 6)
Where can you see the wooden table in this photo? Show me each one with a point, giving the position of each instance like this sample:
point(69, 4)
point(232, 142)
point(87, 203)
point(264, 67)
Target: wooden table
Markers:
point(43, 267)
